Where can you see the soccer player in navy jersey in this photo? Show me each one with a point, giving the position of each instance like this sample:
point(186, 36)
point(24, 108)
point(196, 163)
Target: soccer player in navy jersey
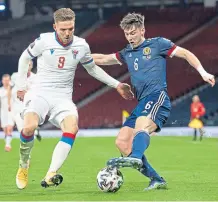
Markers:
point(146, 62)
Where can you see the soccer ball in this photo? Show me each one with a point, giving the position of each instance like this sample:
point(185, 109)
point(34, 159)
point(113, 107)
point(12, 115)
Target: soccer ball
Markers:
point(109, 179)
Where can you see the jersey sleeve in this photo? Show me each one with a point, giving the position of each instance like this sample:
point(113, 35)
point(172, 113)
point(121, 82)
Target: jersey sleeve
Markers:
point(202, 109)
point(120, 56)
point(14, 78)
point(87, 57)
point(36, 48)
point(167, 47)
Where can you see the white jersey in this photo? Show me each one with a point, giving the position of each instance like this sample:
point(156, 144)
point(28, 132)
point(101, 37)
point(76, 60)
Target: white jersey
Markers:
point(51, 92)
point(30, 79)
point(4, 99)
point(57, 63)
point(6, 116)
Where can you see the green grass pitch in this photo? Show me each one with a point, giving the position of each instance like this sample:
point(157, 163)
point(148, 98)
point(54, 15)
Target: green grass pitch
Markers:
point(190, 168)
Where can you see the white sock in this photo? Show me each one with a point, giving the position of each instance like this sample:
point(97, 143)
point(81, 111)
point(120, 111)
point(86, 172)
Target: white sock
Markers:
point(25, 150)
point(8, 140)
point(59, 155)
point(26, 145)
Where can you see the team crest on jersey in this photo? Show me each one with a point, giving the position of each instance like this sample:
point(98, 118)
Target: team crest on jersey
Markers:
point(51, 51)
point(75, 53)
point(147, 53)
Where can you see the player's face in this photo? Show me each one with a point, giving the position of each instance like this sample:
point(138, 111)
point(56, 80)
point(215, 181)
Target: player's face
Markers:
point(6, 81)
point(65, 30)
point(134, 35)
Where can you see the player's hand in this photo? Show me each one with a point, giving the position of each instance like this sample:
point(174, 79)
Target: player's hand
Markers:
point(9, 108)
point(125, 91)
point(20, 95)
point(209, 78)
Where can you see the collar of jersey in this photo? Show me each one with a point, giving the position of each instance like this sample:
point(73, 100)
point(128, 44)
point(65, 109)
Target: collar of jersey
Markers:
point(138, 45)
point(60, 42)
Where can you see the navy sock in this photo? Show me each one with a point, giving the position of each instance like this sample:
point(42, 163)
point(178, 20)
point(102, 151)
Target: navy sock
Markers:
point(141, 142)
point(148, 171)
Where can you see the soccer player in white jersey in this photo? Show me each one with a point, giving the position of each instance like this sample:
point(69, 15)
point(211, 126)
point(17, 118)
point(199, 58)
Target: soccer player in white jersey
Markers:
point(7, 122)
point(58, 55)
point(17, 105)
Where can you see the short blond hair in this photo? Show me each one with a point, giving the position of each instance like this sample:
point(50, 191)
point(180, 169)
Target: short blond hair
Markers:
point(64, 14)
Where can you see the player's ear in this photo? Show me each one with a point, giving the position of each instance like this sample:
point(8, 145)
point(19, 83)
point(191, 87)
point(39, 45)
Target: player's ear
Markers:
point(143, 29)
point(54, 26)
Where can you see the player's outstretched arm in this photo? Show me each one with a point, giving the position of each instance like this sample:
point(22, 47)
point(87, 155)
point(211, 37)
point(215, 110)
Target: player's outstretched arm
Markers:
point(194, 62)
point(105, 59)
point(122, 88)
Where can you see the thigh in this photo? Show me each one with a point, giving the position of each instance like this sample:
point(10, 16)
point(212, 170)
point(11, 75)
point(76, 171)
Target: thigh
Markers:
point(153, 111)
point(35, 104)
point(62, 108)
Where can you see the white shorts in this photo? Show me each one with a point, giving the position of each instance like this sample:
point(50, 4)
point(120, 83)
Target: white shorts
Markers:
point(19, 122)
point(55, 106)
point(17, 110)
point(6, 119)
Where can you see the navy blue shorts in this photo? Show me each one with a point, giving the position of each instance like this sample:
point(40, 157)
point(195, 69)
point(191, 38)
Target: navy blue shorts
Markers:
point(156, 106)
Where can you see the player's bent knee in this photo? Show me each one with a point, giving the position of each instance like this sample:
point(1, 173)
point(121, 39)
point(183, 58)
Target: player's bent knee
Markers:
point(70, 125)
point(72, 129)
point(146, 124)
point(29, 129)
point(10, 129)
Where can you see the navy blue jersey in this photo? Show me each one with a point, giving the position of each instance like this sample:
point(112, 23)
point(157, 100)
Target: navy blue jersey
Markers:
point(147, 65)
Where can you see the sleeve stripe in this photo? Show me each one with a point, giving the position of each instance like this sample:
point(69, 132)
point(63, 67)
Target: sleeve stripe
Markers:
point(115, 58)
point(89, 61)
point(172, 51)
point(28, 51)
point(118, 57)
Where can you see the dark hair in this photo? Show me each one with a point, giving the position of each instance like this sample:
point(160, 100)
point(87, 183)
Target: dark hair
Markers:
point(132, 19)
